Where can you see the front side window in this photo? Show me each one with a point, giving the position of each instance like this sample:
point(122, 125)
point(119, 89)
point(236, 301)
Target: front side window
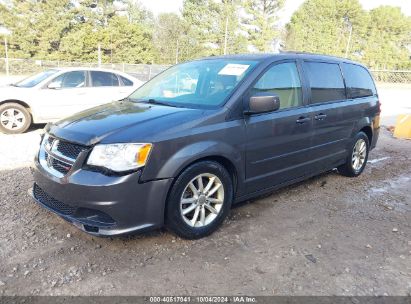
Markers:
point(358, 81)
point(103, 79)
point(326, 82)
point(198, 84)
point(75, 79)
point(284, 81)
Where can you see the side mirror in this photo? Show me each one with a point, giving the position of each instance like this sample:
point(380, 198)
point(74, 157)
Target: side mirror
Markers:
point(263, 103)
point(54, 85)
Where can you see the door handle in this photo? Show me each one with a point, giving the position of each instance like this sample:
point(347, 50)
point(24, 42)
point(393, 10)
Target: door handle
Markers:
point(302, 119)
point(320, 116)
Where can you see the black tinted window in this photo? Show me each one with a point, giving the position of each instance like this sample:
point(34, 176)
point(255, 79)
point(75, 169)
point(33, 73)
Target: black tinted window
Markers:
point(103, 79)
point(325, 81)
point(358, 80)
point(126, 82)
point(282, 80)
point(76, 79)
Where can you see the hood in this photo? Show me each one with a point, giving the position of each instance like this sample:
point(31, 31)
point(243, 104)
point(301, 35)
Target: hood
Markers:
point(9, 91)
point(121, 121)
point(16, 93)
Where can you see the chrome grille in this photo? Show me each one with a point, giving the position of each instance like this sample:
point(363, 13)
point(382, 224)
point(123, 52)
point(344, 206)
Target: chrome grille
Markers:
point(58, 156)
point(57, 165)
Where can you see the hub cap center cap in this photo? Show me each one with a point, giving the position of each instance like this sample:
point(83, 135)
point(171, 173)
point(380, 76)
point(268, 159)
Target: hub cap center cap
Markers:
point(202, 199)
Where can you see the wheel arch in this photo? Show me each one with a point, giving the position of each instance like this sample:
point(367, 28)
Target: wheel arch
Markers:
point(364, 125)
point(368, 131)
point(18, 101)
point(223, 161)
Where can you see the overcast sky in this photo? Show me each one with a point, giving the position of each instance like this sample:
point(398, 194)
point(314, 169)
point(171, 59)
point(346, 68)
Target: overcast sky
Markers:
point(166, 6)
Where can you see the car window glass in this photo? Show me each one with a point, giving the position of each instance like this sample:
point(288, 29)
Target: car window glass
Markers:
point(126, 82)
point(103, 79)
point(199, 84)
point(358, 81)
point(326, 82)
point(183, 82)
point(282, 80)
point(33, 80)
point(75, 79)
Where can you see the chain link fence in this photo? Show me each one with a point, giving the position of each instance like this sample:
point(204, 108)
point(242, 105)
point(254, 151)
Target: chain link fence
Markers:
point(390, 76)
point(144, 72)
point(25, 67)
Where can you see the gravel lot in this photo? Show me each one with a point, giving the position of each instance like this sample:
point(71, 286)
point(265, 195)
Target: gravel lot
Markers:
point(329, 235)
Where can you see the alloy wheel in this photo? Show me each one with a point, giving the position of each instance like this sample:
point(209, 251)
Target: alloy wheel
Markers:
point(202, 200)
point(358, 155)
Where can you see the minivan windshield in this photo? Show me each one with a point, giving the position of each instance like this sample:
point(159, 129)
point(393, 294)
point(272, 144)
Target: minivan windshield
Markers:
point(198, 84)
point(31, 81)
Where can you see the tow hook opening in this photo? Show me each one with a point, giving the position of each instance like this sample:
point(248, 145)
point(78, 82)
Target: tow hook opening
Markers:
point(93, 229)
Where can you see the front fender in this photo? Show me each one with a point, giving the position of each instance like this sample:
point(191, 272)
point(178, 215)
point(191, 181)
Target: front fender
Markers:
point(189, 154)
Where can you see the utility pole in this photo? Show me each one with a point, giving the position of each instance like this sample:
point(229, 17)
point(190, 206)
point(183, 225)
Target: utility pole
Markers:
point(226, 35)
point(99, 54)
point(226, 27)
point(7, 56)
point(4, 31)
point(178, 45)
point(349, 37)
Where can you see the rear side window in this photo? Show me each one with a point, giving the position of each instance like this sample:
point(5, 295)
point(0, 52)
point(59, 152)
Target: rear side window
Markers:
point(104, 79)
point(358, 81)
point(283, 80)
point(326, 82)
point(127, 82)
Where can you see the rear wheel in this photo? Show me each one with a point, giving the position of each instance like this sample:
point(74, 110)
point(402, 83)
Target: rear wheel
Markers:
point(199, 200)
point(358, 156)
point(14, 118)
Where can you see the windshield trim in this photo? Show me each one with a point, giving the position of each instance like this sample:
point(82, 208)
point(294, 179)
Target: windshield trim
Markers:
point(197, 106)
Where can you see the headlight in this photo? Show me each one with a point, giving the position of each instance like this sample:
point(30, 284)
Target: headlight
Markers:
point(120, 157)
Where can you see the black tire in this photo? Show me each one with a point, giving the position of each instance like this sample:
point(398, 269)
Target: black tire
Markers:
point(174, 219)
point(348, 169)
point(23, 110)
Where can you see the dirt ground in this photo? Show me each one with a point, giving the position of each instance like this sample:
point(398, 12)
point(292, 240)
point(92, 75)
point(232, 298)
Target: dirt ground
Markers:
point(330, 235)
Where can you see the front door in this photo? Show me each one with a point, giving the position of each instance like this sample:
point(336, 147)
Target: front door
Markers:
point(65, 95)
point(278, 143)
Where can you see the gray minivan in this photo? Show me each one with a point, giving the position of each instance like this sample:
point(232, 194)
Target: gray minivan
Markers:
point(204, 135)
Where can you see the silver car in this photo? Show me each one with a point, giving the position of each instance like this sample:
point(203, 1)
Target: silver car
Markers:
point(59, 92)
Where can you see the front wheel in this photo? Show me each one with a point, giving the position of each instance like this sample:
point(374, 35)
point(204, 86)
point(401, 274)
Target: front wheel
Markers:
point(14, 118)
point(357, 158)
point(199, 200)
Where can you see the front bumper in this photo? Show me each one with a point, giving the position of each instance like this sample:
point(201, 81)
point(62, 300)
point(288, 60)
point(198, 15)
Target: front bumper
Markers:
point(101, 204)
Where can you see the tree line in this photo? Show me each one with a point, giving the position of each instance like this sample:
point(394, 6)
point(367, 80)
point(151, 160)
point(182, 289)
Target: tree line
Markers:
point(125, 31)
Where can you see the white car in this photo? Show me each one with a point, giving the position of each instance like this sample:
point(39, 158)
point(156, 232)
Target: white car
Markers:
point(60, 92)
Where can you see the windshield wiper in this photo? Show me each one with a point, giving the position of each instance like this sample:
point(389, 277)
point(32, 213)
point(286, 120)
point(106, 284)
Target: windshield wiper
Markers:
point(159, 102)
